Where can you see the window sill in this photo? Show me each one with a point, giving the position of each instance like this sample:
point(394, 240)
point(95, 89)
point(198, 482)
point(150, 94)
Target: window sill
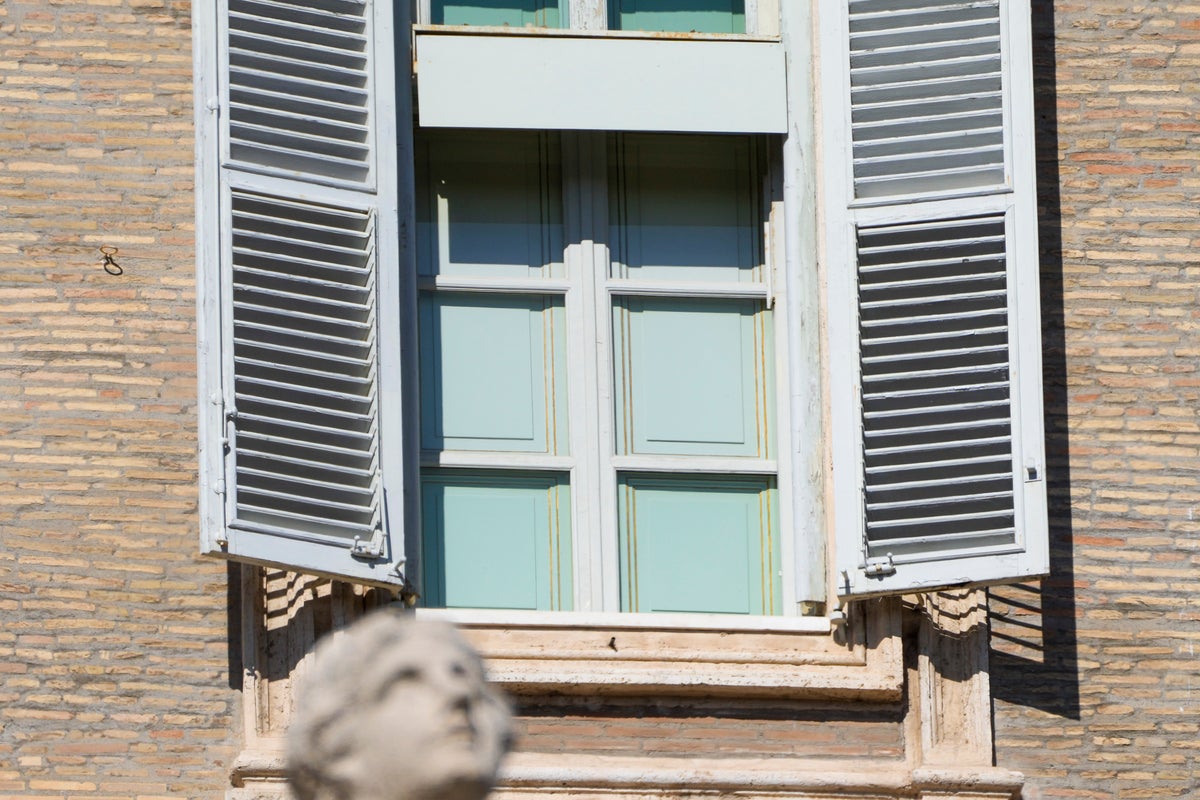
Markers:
point(568, 33)
point(714, 623)
point(531, 653)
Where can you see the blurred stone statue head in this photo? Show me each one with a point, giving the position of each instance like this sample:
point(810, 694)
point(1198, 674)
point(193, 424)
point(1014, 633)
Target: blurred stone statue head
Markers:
point(396, 709)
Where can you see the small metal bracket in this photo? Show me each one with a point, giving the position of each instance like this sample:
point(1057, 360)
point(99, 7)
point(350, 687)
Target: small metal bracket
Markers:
point(879, 567)
point(369, 549)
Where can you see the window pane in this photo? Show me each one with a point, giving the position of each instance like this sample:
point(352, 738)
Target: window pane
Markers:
point(493, 373)
point(693, 377)
point(496, 540)
point(699, 544)
point(685, 208)
point(490, 206)
point(699, 16)
point(511, 13)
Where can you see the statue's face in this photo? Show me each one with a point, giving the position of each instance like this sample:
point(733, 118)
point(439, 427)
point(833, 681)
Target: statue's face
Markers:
point(448, 727)
point(410, 716)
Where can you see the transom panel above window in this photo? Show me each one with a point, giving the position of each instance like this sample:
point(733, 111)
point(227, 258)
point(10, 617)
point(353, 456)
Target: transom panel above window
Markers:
point(598, 366)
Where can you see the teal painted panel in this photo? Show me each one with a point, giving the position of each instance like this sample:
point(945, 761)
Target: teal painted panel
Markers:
point(707, 544)
point(510, 13)
point(685, 208)
point(699, 16)
point(495, 540)
point(693, 377)
point(493, 373)
point(489, 205)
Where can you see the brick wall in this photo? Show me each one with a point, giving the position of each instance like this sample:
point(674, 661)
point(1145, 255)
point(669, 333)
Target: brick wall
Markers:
point(113, 656)
point(1096, 672)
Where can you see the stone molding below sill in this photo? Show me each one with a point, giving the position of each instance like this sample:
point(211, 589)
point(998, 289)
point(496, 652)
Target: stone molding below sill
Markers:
point(567, 773)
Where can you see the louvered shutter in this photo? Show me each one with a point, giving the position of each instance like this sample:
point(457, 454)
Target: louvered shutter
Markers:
point(932, 267)
point(306, 246)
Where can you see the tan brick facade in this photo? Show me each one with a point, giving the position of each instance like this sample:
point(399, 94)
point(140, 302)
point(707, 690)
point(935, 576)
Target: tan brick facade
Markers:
point(117, 640)
point(114, 678)
point(1095, 673)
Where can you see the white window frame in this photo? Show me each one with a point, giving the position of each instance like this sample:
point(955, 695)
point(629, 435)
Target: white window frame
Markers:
point(588, 293)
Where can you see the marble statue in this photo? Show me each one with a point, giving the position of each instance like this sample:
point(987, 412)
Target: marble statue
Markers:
point(396, 709)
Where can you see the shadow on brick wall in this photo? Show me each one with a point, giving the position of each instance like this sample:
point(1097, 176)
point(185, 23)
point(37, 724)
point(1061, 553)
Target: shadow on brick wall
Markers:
point(1034, 659)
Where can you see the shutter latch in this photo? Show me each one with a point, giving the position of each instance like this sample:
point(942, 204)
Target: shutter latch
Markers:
point(879, 567)
point(369, 549)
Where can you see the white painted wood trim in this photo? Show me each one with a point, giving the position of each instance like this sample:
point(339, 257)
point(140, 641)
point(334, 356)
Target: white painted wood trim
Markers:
point(1024, 297)
point(806, 465)
point(209, 408)
point(714, 623)
point(585, 222)
point(480, 459)
point(698, 465)
point(652, 288)
point(494, 285)
point(541, 82)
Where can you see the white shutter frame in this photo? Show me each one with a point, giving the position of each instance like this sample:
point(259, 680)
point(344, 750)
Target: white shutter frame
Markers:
point(865, 564)
point(312, 513)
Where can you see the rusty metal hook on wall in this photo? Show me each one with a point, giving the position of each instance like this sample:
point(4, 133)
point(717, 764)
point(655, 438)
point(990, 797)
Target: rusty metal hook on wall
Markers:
point(110, 266)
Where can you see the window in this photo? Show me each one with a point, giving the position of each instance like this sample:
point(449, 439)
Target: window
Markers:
point(697, 16)
point(571, 338)
point(514, 13)
point(658, 301)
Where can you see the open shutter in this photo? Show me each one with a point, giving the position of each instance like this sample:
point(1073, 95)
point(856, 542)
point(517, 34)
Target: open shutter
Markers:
point(299, 250)
point(932, 265)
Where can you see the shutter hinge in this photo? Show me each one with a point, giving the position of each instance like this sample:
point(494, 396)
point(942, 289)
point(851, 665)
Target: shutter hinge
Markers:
point(374, 547)
point(879, 567)
point(213, 105)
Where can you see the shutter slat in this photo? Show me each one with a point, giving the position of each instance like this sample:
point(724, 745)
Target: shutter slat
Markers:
point(938, 483)
point(249, 454)
point(927, 446)
point(881, 434)
point(949, 408)
point(933, 519)
point(881, 471)
point(892, 358)
point(935, 502)
point(270, 445)
point(324, 483)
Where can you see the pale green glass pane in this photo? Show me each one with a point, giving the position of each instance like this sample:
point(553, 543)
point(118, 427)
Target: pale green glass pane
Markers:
point(693, 377)
point(496, 540)
point(707, 544)
point(685, 208)
point(699, 16)
point(511, 13)
point(493, 373)
point(489, 205)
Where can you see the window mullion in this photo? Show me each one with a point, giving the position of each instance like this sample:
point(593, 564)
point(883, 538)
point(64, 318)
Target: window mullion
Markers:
point(588, 15)
point(585, 220)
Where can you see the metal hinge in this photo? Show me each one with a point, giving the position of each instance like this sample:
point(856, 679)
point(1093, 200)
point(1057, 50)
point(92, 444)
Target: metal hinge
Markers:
point(879, 567)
